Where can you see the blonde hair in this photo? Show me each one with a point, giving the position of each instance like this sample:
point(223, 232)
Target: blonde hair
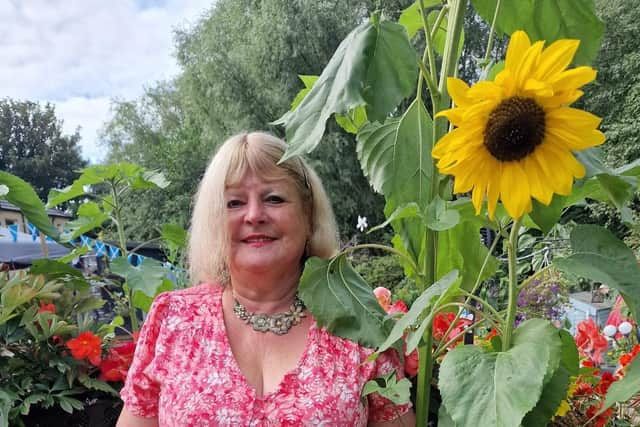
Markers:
point(259, 153)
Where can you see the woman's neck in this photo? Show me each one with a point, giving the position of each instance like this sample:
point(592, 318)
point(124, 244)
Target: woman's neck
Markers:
point(261, 294)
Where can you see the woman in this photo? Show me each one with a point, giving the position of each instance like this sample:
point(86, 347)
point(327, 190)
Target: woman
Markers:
point(239, 349)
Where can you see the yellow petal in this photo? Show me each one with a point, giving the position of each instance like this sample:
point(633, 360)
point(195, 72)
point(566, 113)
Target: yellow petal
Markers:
point(573, 79)
point(573, 117)
point(514, 190)
point(537, 88)
point(523, 71)
point(458, 91)
point(537, 182)
point(556, 58)
point(493, 189)
point(518, 46)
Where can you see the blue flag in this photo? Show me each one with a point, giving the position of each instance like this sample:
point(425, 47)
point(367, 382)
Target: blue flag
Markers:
point(13, 229)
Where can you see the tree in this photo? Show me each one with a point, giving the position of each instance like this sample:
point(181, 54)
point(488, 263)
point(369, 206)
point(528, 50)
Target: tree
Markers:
point(240, 67)
point(33, 147)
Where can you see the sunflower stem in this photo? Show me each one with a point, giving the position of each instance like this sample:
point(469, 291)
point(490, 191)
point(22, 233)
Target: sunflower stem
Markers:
point(487, 54)
point(425, 369)
point(512, 249)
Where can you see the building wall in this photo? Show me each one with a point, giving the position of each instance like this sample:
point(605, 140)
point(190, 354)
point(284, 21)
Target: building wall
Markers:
point(12, 217)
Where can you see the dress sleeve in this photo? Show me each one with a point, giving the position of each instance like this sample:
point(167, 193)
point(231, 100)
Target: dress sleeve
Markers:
point(141, 389)
point(380, 408)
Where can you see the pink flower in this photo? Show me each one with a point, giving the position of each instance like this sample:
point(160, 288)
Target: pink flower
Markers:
point(591, 343)
point(383, 295)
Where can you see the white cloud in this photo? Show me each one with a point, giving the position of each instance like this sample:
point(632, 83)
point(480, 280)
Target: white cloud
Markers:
point(78, 54)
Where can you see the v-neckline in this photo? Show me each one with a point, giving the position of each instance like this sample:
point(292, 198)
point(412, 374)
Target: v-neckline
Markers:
point(311, 334)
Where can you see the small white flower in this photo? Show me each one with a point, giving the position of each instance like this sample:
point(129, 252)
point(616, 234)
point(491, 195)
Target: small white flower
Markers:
point(362, 223)
point(625, 328)
point(610, 330)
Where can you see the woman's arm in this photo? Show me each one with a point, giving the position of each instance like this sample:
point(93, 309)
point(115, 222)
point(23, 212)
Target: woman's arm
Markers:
point(127, 419)
point(407, 420)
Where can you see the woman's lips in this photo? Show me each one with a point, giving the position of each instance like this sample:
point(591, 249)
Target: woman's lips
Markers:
point(258, 241)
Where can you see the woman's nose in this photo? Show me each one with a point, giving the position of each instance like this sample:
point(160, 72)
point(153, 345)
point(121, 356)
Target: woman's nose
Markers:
point(255, 212)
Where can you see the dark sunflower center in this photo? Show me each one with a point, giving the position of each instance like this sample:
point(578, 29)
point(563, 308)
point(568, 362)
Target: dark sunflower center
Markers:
point(514, 129)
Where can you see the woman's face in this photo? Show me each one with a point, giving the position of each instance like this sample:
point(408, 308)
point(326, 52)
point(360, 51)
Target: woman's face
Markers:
point(268, 225)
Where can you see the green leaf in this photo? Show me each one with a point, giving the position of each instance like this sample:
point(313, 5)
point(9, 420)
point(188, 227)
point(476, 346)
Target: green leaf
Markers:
point(600, 256)
point(22, 195)
point(353, 120)
point(460, 248)
point(555, 390)
point(143, 301)
point(308, 81)
point(410, 18)
point(545, 216)
point(396, 158)
point(174, 235)
point(497, 389)
point(389, 387)
point(392, 70)
point(374, 65)
point(57, 270)
point(342, 301)
point(550, 21)
point(128, 174)
point(409, 210)
point(94, 384)
point(625, 388)
point(424, 303)
point(439, 217)
point(146, 277)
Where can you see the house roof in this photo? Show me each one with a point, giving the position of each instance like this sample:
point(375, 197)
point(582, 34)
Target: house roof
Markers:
point(6, 206)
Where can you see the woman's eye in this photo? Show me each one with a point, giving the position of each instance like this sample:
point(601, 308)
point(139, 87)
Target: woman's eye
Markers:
point(234, 204)
point(275, 199)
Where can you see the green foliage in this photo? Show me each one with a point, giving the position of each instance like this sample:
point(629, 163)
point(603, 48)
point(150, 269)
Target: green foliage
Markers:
point(33, 147)
point(36, 368)
point(342, 302)
point(388, 387)
point(482, 388)
point(382, 271)
point(550, 21)
point(22, 195)
point(599, 255)
point(362, 57)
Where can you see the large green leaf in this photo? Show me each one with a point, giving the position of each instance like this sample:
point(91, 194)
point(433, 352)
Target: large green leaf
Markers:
point(497, 389)
point(341, 301)
point(555, 390)
point(54, 269)
point(146, 277)
point(599, 255)
point(392, 71)
point(22, 195)
point(396, 157)
point(374, 65)
point(460, 247)
point(308, 81)
point(550, 21)
point(425, 302)
point(625, 388)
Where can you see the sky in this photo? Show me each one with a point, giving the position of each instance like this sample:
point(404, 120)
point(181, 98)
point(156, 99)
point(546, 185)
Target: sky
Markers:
point(81, 54)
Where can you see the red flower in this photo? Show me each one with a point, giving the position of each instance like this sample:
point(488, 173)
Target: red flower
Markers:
point(86, 346)
point(606, 380)
point(590, 341)
point(114, 367)
point(441, 323)
point(47, 308)
point(602, 419)
point(397, 307)
point(626, 358)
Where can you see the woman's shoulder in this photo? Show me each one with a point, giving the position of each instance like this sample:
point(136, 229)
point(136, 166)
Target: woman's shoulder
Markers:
point(205, 294)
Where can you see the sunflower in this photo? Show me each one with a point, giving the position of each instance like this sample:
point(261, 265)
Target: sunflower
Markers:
point(514, 137)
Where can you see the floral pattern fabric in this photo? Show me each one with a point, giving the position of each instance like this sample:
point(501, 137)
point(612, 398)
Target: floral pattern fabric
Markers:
point(184, 372)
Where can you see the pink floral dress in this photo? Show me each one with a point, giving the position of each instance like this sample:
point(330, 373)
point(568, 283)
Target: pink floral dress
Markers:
point(185, 373)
